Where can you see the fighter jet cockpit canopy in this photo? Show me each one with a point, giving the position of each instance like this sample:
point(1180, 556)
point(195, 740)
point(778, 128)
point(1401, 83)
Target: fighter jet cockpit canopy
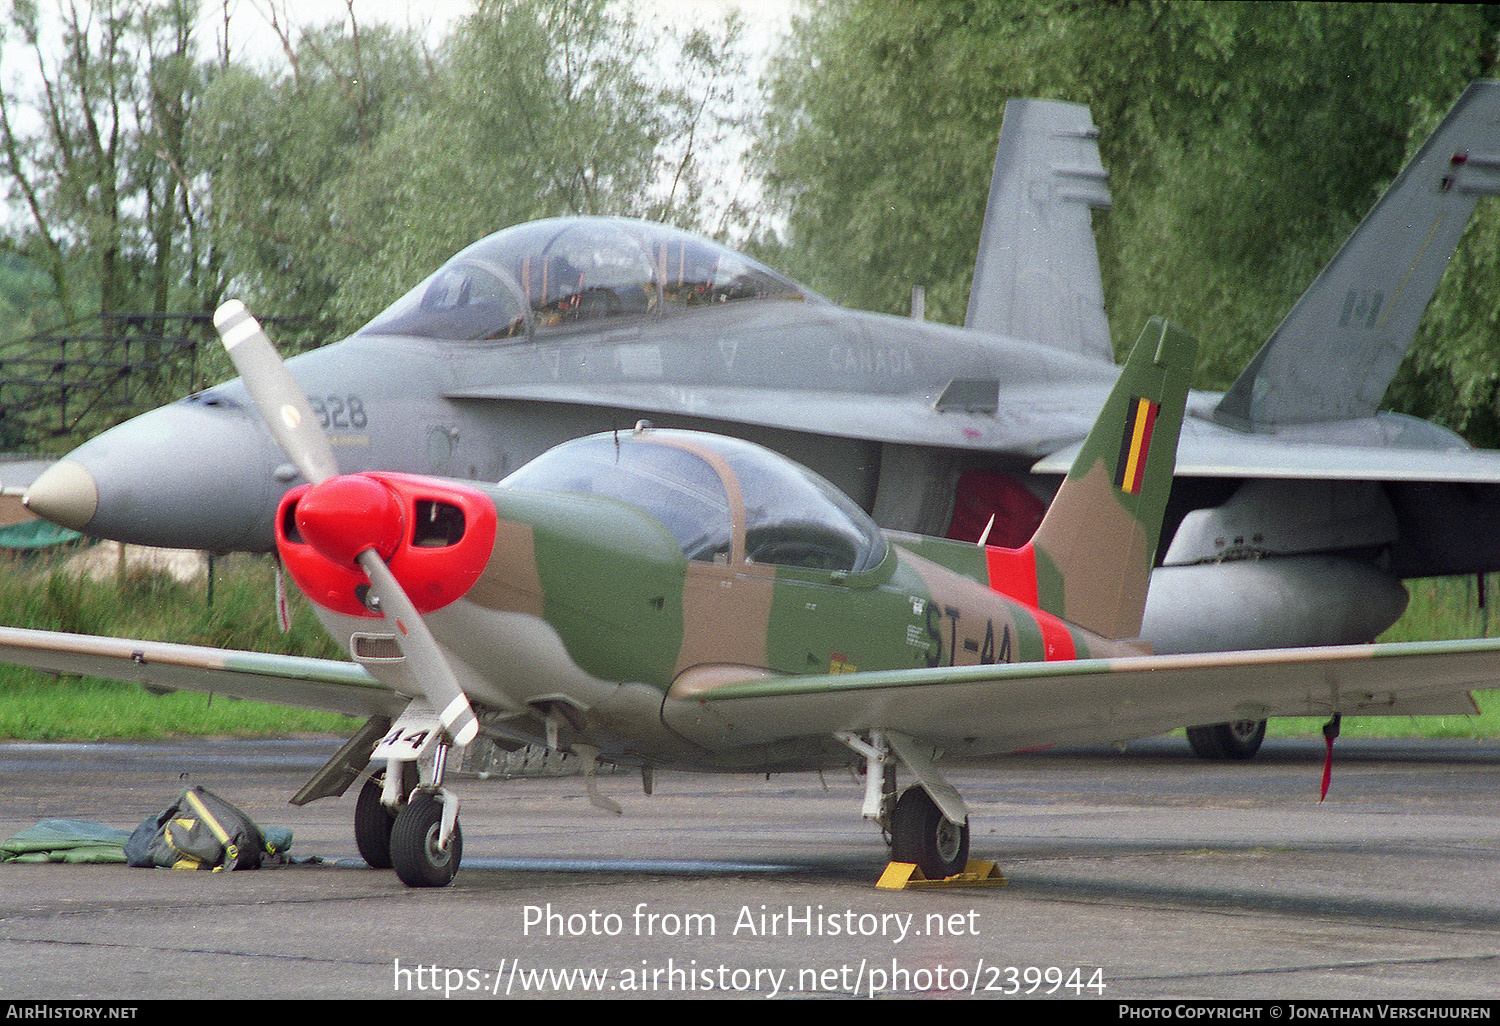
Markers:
point(563, 273)
point(724, 500)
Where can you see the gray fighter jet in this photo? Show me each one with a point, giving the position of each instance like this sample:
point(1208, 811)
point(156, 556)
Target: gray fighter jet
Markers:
point(1297, 511)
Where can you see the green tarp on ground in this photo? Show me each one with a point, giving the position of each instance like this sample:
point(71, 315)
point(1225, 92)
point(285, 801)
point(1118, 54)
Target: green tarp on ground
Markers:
point(66, 840)
point(72, 840)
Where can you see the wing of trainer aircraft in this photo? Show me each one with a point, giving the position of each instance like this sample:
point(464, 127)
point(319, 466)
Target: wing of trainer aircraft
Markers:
point(325, 684)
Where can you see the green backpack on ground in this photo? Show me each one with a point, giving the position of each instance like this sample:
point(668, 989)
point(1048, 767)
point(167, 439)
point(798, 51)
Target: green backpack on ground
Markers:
point(198, 831)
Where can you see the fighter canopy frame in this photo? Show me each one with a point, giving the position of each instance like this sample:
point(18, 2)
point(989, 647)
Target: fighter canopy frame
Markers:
point(548, 276)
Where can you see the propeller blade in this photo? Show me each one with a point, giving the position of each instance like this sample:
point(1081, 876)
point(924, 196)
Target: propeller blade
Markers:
point(282, 405)
point(286, 411)
point(428, 666)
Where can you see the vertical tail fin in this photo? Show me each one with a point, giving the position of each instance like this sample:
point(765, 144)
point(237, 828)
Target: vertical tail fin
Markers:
point(1334, 354)
point(1090, 560)
point(1037, 276)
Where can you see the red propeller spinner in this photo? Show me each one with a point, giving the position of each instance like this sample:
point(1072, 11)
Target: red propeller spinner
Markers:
point(436, 537)
point(350, 514)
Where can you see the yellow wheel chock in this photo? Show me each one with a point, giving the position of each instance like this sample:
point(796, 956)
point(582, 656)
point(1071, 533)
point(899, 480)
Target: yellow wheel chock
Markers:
point(903, 876)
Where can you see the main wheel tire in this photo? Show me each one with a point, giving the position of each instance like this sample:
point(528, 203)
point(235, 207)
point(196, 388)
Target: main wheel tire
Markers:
point(1240, 739)
point(415, 854)
point(372, 825)
point(921, 834)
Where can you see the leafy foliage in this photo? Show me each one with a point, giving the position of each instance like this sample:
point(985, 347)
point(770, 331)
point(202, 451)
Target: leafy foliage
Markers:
point(156, 177)
point(95, 151)
point(335, 199)
point(283, 144)
point(1244, 142)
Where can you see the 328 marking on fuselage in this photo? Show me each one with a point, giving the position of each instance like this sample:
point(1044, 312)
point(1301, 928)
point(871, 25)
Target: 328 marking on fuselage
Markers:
point(339, 412)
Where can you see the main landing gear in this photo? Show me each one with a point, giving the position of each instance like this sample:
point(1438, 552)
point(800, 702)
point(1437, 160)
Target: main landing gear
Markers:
point(927, 824)
point(1232, 741)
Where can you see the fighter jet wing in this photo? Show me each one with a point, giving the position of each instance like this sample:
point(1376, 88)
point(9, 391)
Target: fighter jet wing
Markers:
point(1018, 706)
point(1045, 424)
point(1217, 458)
point(1387, 447)
point(325, 684)
point(974, 415)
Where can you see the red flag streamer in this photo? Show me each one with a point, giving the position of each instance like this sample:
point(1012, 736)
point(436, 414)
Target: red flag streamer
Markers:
point(1330, 731)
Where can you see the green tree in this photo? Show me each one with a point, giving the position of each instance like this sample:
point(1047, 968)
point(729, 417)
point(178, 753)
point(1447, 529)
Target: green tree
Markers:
point(1252, 140)
point(1452, 374)
point(345, 181)
point(97, 154)
point(538, 110)
point(284, 150)
point(881, 136)
point(1244, 141)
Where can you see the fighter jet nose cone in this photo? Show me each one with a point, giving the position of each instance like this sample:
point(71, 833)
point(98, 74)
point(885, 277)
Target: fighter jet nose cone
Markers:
point(197, 474)
point(65, 494)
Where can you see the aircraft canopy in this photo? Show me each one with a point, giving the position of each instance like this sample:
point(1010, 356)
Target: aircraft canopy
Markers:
point(551, 275)
point(724, 500)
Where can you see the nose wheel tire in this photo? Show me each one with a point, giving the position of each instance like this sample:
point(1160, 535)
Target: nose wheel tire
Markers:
point(372, 825)
point(921, 834)
point(415, 854)
point(373, 821)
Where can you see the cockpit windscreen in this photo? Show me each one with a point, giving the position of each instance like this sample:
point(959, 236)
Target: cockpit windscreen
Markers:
point(546, 276)
point(676, 488)
point(718, 497)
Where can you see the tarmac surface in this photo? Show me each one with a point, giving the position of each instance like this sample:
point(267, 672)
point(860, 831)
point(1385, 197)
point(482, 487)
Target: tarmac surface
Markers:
point(1142, 874)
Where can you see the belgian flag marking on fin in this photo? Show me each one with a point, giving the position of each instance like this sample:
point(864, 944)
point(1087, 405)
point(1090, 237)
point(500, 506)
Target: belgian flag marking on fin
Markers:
point(1136, 443)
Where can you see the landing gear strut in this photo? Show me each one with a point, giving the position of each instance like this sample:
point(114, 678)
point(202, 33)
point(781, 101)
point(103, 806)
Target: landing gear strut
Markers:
point(405, 818)
point(927, 824)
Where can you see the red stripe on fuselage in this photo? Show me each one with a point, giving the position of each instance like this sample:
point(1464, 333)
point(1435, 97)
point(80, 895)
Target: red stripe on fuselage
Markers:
point(1057, 639)
point(1013, 574)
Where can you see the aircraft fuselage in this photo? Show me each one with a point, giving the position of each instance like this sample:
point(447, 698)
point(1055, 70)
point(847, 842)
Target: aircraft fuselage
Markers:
point(619, 668)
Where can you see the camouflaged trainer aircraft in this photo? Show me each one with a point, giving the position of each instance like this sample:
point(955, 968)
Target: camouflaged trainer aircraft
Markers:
point(682, 599)
point(1298, 508)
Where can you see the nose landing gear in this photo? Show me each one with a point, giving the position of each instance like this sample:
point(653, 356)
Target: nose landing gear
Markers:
point(405, 819)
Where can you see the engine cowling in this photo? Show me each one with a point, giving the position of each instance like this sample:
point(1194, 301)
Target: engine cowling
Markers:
point(436, 537)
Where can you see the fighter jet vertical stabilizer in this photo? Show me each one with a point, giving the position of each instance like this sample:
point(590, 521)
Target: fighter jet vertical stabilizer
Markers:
point(1334, 354)
point(1037, 275)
